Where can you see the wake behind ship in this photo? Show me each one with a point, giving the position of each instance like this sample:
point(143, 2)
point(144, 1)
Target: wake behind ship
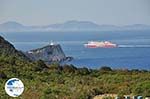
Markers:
point(96, 44)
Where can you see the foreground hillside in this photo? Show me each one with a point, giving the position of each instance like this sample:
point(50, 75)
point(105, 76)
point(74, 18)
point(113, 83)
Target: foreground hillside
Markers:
point(68, 82)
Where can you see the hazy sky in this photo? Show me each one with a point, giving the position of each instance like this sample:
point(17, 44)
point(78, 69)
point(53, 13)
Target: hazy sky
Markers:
point(43, 12)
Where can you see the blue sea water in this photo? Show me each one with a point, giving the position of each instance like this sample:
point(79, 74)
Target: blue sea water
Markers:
point(133, 51)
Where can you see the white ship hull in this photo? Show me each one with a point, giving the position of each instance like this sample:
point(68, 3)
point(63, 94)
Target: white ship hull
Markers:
point(105, 44)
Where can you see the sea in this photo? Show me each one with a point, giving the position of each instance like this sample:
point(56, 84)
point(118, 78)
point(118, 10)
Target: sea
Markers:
point(133, 51)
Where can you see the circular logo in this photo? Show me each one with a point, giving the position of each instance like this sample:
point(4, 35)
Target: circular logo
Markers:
point(14, 87)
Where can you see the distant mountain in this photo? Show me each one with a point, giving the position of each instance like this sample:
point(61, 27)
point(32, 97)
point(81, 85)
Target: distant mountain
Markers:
point(137, 27)
point(10, 26)
point(72, 25)
point(79, 24)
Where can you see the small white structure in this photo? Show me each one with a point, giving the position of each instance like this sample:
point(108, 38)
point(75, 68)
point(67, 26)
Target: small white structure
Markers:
point(30, 52)
point(52, 43)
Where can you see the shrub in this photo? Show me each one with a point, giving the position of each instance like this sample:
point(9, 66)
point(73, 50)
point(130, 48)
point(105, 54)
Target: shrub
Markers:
point(56, 67)
point(3, 75)
point(105, 68)
point(142, 89)
point(69, 69)
point(83, 71)
point(40, 65)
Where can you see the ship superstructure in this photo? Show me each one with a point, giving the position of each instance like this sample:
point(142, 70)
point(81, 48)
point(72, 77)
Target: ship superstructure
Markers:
point(104, 44)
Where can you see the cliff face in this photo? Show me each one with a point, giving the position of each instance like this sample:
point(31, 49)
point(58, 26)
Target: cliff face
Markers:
point(7, 49)
point(49, 53)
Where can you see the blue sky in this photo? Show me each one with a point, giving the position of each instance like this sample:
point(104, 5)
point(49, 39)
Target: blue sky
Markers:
point(43, 12)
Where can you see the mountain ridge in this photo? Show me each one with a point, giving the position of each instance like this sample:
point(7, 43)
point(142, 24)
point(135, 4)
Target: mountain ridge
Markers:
point(72, 25)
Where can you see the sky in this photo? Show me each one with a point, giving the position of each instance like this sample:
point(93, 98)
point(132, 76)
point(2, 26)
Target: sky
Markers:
point(43, 12)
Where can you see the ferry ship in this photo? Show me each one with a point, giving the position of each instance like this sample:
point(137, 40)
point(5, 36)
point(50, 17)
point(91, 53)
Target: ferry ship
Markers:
point(96, 44)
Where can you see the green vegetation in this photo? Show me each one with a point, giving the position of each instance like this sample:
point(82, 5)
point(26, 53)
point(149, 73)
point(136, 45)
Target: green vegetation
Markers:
point(68, 82)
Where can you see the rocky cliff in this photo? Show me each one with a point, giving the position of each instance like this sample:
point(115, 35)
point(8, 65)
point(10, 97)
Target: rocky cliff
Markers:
point(49, 53)
point(7, 49)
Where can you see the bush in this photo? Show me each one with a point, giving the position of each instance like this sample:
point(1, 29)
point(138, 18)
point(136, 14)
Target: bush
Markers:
point(55, 67)
point(142, 89)
point(83, 71)
point(40, 65)
point(105, 68)
point(69, 69)
point(3, 75)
